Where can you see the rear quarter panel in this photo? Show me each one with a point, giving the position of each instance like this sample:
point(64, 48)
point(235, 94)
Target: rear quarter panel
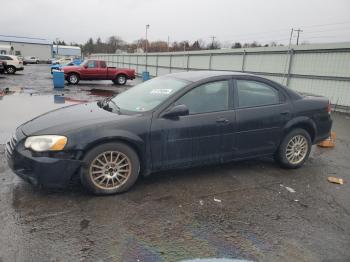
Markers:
point(315, 109)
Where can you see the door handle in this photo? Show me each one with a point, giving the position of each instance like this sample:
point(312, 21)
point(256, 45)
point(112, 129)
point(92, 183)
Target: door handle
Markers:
point(222, 120)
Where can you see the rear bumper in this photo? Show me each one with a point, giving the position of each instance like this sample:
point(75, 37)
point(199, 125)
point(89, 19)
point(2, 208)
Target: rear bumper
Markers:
point(44, 171)
point(324, 131)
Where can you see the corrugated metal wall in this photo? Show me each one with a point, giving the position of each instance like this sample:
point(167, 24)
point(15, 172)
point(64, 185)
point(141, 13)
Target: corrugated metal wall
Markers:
point(322, 69)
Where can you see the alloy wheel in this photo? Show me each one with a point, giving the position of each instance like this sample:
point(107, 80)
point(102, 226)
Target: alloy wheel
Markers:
point(73, 79)
point(297, 149)
point(110, 170)
point(121, 80)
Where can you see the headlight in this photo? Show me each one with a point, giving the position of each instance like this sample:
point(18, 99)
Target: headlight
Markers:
point(46, 143)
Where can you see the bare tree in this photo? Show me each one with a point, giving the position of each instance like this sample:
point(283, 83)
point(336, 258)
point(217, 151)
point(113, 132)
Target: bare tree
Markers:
point(237, 45)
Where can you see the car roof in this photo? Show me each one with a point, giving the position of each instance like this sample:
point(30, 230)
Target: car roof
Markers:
point(194, 76)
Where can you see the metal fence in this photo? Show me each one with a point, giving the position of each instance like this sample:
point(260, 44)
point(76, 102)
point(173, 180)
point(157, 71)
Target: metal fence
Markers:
point(322, 69)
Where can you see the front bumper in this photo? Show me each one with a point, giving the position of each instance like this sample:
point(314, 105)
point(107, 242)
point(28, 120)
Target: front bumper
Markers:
point(45, 171)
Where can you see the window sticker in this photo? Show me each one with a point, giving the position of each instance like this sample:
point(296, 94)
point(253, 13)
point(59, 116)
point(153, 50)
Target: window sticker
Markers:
point(161, 91)
point(139, 108)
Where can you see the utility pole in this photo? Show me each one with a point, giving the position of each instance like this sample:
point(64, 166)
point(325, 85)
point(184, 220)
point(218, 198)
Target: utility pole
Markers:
point(299, 31)
point(57, 47)
point(147, 27)
point(290, 38)
point(212, 41)
point(168, 43)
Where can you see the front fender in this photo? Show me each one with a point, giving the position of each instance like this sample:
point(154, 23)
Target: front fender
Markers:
point(91, 139)
point(72, 72)
point(109, 135)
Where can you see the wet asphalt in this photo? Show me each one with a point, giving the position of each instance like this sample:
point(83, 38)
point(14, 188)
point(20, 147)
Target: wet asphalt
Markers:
point(244, 210)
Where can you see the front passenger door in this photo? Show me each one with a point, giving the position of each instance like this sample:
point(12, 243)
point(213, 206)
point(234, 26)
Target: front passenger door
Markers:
point(196, 138)
point(91, 70)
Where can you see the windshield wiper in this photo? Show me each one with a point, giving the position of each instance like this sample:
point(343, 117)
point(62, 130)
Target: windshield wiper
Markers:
point(105, 104)
point(114, 104)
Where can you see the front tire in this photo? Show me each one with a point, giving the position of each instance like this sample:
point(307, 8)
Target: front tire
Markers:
point(110, 168)
point(73, 79)
point(11, 70)
point(294, 149)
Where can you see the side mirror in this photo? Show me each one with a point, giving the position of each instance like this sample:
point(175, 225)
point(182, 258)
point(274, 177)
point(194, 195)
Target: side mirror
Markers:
point(176, 111)
point(85, 66)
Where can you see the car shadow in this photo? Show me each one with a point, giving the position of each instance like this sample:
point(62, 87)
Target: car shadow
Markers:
point(158, 179)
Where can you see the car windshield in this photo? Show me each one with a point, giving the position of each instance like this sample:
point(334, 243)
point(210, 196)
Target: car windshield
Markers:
point(148, 95)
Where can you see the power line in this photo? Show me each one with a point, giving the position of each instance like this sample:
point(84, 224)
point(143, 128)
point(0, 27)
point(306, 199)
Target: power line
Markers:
point(339, 23)
point(327, 30)
point(285, 29)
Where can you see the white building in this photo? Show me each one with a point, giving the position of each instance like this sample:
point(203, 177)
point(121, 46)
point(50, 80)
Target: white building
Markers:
point(26, 46)
point(66, 51)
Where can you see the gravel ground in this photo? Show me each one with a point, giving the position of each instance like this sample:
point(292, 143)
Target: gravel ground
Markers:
point(240, 210)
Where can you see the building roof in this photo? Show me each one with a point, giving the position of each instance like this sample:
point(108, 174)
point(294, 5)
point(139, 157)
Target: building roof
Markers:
point(28, 40)
point(66, 47)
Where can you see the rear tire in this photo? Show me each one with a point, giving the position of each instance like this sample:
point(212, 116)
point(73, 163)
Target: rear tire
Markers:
point(294, 149)
point(73, 79)
point(120, 79)
point(11, 70)
point(110, 168)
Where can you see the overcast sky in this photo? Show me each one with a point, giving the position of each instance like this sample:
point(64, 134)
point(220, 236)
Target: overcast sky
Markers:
point(228, 20)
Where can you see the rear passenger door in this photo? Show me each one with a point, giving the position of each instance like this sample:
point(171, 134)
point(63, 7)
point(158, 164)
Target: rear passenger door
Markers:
point(262, 110)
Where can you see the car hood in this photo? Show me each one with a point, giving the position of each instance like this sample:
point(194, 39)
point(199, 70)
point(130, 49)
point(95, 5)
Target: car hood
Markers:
point(66, 119)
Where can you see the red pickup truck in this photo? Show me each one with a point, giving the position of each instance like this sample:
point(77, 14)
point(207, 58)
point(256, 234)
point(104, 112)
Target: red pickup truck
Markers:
point(97, 70)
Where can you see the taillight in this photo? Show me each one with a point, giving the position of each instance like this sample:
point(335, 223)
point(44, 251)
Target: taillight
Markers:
point(329, 108)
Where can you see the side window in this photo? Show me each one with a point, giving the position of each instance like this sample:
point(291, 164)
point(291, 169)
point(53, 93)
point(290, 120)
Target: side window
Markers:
point(91, 64)
point(6, 58)
point(252, 93)
point(209, 97)
point(103, 64)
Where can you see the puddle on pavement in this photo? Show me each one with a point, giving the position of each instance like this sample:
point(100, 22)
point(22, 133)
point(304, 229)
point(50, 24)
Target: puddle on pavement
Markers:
point(18, 105)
